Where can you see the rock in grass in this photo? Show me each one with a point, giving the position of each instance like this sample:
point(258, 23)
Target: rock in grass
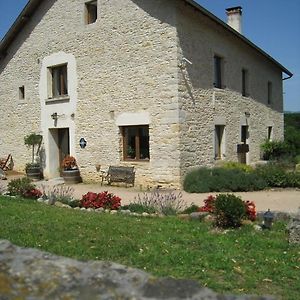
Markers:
point(293, 229)
point(33, 274)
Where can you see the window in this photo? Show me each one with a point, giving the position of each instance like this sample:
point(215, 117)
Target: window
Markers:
point(21, 92)
point(218, 70)
point(270, 133)
point(245, 83)
point(270, 92)
point(58, 81)
point(136, 142)
point(219, 141)
point(91, 12)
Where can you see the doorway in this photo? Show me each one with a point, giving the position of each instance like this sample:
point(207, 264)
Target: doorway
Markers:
point(244, 141)
point(59, 148)
point(63, 145)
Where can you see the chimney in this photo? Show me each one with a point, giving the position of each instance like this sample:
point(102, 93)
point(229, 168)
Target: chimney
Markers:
point(234, 18)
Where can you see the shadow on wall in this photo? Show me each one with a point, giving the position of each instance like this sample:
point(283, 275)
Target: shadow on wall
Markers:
point(163, 10)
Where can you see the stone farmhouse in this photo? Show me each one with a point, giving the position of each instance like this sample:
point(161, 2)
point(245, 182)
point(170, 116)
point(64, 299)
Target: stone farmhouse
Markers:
point(161, 85)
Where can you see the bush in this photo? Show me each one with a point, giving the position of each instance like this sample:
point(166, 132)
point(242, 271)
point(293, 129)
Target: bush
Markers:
point(274, 150)
point(276, 176)
point(139, 208)
point(231, 165)
point(23, 187)
point(167, 203)
point(229, 210)
point(190, 209)
point(102, 200)
point(204, 180)
point(61, 193)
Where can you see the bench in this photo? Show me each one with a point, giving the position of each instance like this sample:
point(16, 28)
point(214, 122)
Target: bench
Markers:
point(119, 174)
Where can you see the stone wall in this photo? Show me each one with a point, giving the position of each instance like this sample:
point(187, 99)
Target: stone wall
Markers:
point(130, 61)
point(32, 274)
point(203, 106)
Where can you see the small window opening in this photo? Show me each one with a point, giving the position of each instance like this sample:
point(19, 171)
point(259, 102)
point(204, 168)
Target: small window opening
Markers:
point(245, 83)
point(219, 141)
point(91, 12)
point(21, 92)
point(270, 133)
point(218, 70)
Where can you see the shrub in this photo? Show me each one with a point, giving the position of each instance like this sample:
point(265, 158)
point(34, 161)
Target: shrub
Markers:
point(250, 210)
point(102, 200)
point(237, 166)
point(276, 176)
point(61, 193)
point(139, 208)
point(190, 209)
point(229, 210)
point(167, 203)
point(205, 180)
point(209, 204)
point(23, 187)
point(274, 149)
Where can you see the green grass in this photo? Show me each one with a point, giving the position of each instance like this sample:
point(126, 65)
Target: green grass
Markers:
point(240, 261)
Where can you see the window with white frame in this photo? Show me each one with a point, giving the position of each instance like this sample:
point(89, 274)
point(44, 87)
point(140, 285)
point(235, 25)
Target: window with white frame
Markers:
point(58, 81)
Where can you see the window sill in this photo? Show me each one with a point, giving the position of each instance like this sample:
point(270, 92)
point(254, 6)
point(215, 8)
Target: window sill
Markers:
point(62, 99)
point(136, 160)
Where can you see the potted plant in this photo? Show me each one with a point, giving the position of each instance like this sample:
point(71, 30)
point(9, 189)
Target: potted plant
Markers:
point(33, 169)
point(70, 171)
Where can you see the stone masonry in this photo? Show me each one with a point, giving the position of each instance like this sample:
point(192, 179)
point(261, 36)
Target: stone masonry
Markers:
point(32, 274)
point(131, 61)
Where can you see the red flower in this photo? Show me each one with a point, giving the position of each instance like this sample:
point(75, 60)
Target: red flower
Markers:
point(104, 199)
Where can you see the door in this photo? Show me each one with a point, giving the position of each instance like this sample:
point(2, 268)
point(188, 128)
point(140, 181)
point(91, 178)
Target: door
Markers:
point(63, 144)
point(244, 141)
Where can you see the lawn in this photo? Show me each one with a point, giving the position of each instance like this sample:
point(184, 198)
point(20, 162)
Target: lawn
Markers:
point(239, 261)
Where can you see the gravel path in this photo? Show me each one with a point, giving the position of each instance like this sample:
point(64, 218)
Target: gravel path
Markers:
point(285, 200)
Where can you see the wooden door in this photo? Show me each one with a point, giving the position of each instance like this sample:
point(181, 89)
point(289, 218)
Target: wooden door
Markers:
point(63, 144)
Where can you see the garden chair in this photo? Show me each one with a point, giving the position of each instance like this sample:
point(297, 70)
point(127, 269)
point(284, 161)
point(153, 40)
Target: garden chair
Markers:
point(4, 163)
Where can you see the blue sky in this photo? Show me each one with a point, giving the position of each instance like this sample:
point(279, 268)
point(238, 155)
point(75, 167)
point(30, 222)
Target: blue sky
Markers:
point(272, 25)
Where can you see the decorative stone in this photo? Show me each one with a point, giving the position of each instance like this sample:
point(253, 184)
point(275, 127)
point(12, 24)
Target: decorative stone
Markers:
point(125, 211)
point(100, 209)
point(26, 272)
point(113, 212)
point(77, 208)
point(293, 229)
point(144, 214)
point(83, 208)
point(90, 209)
point(257, 227)
point(58, 204)
point(198, 215)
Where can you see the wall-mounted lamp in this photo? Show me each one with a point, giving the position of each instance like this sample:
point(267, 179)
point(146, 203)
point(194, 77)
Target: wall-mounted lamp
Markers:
point(247, 114)
point(54, 116)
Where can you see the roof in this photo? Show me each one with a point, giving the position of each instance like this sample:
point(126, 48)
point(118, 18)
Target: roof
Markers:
point(32, 5)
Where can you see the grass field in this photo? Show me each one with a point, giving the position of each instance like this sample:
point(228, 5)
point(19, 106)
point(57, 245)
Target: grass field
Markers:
point(239, 261)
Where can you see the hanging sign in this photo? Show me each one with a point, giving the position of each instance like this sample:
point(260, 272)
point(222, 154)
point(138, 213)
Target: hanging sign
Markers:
point(82, 143)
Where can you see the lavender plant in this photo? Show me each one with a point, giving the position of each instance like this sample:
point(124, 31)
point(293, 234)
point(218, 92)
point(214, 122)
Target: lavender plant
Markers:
point(167, 203)
point(61, 193)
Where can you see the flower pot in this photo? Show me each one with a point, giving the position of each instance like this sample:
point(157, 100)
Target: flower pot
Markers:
point(34, 172)
point(71, 176)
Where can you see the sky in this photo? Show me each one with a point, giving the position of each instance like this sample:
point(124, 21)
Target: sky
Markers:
point(274, 26)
